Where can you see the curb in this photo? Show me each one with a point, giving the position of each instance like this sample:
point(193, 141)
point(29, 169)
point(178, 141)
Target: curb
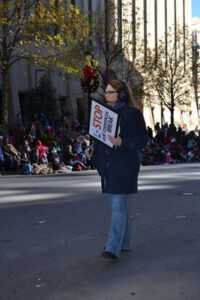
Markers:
point(74, 173)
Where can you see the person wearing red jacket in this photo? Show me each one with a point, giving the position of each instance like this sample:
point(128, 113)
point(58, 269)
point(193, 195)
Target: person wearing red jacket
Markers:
point(41, 148)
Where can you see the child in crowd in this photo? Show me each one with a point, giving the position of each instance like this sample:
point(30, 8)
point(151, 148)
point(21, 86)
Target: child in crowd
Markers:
point(43, 159)
point(25, 165)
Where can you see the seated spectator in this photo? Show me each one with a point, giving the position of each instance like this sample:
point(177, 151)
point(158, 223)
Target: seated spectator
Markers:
point(51, 153)
point(34, 156)
point(12, 137)
point(25, 147)
point(68, 155)
point(183, 155)
point(25, 165)
point(56, 162)
point(30, 139)
point(77, 146)
point(168, 158)
point(11, 155)
point(58, 166)
point(75, 125)
point(73, 159)
point(191, 140)
point(55, 145)
point(43, 160)
point(42, 149)
point(150, 132)
point(85, 154)
point(40, 165)
point(51, 132)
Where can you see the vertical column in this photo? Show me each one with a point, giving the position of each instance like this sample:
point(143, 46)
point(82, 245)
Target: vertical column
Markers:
point(85, 6)
point(170, 13)
point(179, 12)
point(184, 14)
point(145, 30)
point(139, 19)
point(119, 6)
point(166, 30)
point(90, 5)
point(79, 4)
point(90, 10)
point(175, 26)
point(151, 24)
point(106, 24)
point(171, 18)
point(188, 14)
point(161, 19)
point(134, 28)
point(98, 4)
point(120, 31)
point(123, 40)
point(90, 17)
point(180, 24)
point(184, 31)
point(156, 28)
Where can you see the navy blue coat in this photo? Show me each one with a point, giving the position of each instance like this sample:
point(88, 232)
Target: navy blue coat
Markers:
point(119, 167)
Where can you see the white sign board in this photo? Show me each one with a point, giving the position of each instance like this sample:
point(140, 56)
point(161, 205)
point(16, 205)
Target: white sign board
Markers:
point(103, 122)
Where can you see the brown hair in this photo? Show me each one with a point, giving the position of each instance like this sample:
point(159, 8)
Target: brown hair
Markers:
point(119, 86)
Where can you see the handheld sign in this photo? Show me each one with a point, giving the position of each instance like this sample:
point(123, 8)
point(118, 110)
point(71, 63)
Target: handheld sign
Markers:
point(103, 121)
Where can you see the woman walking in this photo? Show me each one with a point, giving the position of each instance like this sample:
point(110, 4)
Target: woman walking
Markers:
point(119, 167)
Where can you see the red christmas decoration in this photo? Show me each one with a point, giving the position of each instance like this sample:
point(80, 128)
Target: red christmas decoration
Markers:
point(90, 79)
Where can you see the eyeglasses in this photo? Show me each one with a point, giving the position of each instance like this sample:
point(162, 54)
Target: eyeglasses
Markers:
point(109, 92)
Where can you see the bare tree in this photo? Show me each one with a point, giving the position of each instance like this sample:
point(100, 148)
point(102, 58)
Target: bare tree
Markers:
point(168, 74)
point(112, 41)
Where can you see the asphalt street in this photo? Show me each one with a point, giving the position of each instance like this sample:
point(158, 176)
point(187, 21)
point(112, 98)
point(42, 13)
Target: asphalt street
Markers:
point(53, 229)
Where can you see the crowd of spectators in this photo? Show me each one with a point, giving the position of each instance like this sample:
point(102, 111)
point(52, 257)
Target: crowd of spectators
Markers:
point(44, 149)
point(171, 144)
point(48, 148)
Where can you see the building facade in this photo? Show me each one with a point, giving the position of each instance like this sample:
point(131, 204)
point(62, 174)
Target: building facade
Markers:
point(156, 17)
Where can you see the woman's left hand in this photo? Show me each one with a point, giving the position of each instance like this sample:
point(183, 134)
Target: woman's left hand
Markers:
point(115, 141)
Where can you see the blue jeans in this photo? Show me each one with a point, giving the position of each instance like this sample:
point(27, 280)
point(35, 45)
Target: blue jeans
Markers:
point(119, 236)
point(26, 169)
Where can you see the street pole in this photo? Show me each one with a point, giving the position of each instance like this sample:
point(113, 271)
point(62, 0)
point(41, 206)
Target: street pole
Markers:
point(89, 105)
point(123, 43)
